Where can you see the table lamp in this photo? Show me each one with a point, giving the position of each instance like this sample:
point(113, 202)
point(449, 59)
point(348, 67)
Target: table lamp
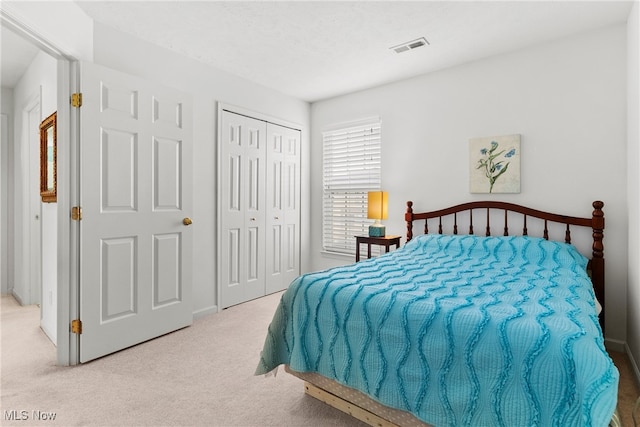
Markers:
point(377, 210)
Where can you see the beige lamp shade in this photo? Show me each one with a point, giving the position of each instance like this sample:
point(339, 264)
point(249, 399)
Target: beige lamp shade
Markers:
point(377, 205)
point(377, 202)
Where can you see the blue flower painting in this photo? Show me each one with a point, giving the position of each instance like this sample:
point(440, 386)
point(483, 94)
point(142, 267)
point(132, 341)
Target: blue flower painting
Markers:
point(495, 164)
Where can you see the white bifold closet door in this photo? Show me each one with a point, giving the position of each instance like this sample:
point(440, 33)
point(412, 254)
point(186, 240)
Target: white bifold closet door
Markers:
point(283, 207)
point(259, 228)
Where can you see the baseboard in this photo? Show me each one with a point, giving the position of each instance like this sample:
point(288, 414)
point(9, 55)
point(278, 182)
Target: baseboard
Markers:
point(17, 296)
point(615, 345)
point(634, 364)
point(205, 312)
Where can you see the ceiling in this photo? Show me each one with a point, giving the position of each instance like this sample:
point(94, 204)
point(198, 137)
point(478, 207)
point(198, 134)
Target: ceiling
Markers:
point(314, 50)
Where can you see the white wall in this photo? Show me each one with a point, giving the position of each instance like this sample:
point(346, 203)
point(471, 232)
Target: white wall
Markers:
point(208, 86)
point(633, 192)
point(40, 78)
point(6, 168)
point(568, 101)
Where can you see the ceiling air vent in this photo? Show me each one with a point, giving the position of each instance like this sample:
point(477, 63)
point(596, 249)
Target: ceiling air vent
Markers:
point(413, 44)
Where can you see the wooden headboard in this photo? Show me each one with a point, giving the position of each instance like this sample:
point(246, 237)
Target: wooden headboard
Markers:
point(595, 222)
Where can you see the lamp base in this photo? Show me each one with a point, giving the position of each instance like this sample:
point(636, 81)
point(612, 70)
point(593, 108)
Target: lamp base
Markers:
point(376, 230)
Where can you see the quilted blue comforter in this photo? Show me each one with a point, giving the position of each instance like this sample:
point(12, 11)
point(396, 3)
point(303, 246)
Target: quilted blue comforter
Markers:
point(458, 330)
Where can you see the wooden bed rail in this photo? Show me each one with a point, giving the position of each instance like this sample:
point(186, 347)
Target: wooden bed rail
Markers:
point(595, 222)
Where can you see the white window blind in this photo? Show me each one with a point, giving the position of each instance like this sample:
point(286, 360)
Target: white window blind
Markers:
point(351, 168)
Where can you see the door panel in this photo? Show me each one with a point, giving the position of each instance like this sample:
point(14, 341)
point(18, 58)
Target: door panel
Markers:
point(253, 258)
point(167, 283)
point(119, 170)
point(290, 255)
point(242, 191)
point(232, 265)
point(291, 261)
point(275, 249)
point(283, 218)
point(135, 278)
point(167, 173)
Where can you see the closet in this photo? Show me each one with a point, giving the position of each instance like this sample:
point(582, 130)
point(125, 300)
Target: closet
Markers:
point(259, 207)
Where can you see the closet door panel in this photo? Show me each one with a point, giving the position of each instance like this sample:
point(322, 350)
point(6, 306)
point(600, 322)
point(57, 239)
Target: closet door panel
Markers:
point(242, 201)
point(254, 133)
point(283, 217)
point(259, 194)
point(291, 255)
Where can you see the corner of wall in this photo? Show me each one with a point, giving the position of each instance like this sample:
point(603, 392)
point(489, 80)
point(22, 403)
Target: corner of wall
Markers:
point(632, 346)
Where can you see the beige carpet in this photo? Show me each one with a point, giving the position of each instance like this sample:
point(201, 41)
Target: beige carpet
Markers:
point(201, 375)
point(198, 376)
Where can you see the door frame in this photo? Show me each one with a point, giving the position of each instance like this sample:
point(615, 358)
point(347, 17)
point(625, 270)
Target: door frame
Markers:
point(4, 123)
point(67, 350)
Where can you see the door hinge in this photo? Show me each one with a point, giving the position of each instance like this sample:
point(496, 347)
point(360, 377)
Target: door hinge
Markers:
point(76, 326)
point(76, 100)
point(76, 213)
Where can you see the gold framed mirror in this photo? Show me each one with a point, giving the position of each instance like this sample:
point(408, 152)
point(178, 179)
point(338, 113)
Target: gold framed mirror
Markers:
point(48, 164)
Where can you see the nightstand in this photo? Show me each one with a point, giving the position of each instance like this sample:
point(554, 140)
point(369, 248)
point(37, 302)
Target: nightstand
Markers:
point(385, 241)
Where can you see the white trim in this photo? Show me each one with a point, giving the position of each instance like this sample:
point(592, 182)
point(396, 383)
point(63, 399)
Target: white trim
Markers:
point(255, 115)
point(4, 142)
point(218, 208)
point(203, 312)
point(615, 345)
point(9, 20)
point(337, 255)
point(634, 364)
point(67, 196)
point(70, 35)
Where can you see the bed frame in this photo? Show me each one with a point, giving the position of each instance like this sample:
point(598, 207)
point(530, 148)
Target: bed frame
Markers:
point(366, 409)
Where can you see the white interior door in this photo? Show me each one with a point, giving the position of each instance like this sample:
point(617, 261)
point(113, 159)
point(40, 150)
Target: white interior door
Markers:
point(283, 206)
point(242, 231)
point(136, 176)
point(35, 207)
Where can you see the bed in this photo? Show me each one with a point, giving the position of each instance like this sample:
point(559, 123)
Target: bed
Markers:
point(458, 329)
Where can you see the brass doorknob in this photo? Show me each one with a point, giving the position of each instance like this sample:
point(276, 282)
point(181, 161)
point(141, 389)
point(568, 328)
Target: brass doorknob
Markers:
point(187, 221)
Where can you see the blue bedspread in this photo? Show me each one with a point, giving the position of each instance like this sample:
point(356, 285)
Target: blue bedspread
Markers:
point(458, 330)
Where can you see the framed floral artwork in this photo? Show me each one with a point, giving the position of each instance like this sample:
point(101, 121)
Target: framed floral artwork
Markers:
point(494, 164)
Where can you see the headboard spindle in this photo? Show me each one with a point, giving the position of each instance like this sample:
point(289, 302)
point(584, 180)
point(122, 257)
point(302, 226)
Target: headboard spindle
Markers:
point(546, 231)
point(506, 227)
point(488, 231)
point(455, 223)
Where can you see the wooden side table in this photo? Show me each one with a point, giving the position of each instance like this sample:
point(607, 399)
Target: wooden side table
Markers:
point(385, 241)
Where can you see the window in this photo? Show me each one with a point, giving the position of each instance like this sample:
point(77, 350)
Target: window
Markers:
point(351, 168)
